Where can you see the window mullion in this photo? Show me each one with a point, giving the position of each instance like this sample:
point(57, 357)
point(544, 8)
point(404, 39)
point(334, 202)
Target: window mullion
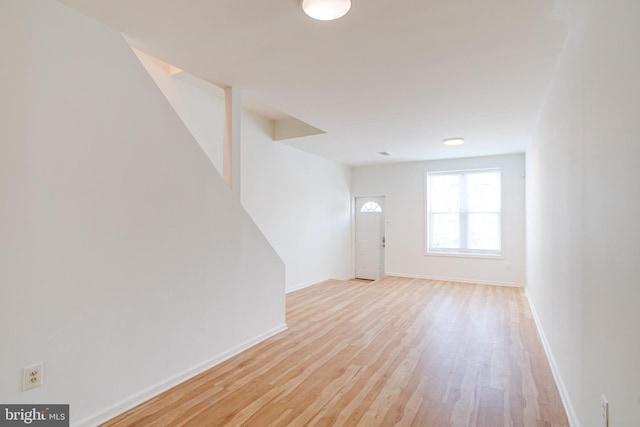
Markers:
point(463, 212)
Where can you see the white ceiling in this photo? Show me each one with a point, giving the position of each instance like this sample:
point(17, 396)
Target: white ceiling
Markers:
point(392, 75)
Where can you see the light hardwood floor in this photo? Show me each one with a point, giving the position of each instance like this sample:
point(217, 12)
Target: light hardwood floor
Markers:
point(396, 352)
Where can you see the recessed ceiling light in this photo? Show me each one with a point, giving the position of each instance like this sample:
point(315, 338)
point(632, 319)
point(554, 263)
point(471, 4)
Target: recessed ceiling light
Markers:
point(454, 141)
point(326, 10)
point(384, 153)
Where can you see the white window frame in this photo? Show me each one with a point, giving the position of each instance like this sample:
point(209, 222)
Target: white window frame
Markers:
point(461, 252)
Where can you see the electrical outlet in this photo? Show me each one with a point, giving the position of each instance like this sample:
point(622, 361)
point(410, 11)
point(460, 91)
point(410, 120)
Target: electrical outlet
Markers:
point(604, 411)
point(32, 376)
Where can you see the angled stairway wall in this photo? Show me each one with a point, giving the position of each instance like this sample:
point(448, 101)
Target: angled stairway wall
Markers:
point(126, 264)
point(299, 201)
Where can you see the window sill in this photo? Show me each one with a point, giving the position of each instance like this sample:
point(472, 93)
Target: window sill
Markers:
point(463, 255)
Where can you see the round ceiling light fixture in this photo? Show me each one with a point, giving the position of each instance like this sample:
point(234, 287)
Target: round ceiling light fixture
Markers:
point(326, 10)
point(454, 141)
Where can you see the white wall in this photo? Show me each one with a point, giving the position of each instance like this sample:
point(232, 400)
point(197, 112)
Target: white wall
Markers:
point(301, 202)
point(403, 186)
point(125, 262)
point(583, 206)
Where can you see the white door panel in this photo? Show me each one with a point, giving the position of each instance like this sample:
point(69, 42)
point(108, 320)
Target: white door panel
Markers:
point(370, 239)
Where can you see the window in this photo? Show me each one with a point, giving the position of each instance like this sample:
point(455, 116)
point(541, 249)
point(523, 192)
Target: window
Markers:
point(463, 212)
point(371, 207)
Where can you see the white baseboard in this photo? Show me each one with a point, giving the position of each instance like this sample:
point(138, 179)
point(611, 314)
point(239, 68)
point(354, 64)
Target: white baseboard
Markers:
point(315, 282)
point(564, 395)
point(163, 386)
point(307, 284)
point(459, 280)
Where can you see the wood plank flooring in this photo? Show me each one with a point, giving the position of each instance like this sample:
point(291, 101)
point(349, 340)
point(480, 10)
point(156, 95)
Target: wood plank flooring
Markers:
point(395, 352)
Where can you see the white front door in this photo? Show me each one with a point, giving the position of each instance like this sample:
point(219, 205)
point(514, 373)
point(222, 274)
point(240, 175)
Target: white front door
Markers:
point(370, 240)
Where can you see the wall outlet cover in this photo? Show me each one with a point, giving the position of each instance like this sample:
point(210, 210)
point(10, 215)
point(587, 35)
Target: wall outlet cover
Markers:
point(32, 376)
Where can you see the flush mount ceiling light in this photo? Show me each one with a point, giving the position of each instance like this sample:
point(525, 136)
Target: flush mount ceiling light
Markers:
point(326, 10)
point(454, 141)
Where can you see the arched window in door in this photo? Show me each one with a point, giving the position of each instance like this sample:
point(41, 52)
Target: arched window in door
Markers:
point(371, 207)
